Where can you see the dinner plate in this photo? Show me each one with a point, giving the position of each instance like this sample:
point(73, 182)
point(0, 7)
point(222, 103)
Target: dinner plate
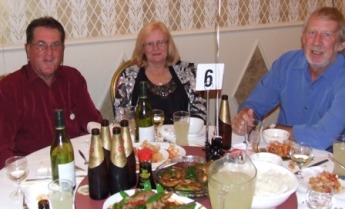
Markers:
point(36, 191)
point(117, 197)
point(307, 173)
point(163, 150)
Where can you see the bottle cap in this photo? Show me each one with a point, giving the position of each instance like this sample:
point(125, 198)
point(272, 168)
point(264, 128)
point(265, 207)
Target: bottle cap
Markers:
point(105, 122)
point(143, 89)
point(224, 97)
point(124, 123)
point(95, 131)
point(43, 204)
point(145, 154)
point(59, 119)
point(116, 130)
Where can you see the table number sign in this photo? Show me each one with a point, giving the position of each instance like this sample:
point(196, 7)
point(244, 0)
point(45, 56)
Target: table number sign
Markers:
point(209, 76)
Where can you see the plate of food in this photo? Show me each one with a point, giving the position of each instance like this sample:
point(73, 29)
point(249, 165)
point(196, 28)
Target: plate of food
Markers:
point(149, 198)
point(314, 176)
point(185, 175)
point(161, 151)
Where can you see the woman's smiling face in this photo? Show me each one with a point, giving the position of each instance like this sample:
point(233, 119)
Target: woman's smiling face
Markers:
point(156, 47)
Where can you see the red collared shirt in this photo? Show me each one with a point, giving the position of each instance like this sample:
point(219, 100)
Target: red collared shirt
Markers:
point(27, 107)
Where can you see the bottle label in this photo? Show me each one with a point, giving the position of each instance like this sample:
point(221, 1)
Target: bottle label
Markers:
point(146, 133)
point(119, 158)
point(96, 153)
point(66, 171)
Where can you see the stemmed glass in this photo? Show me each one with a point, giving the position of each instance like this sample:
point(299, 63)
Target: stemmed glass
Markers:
point(253, 135)
point(301, 154)
point(17, 170)
point(158, 120)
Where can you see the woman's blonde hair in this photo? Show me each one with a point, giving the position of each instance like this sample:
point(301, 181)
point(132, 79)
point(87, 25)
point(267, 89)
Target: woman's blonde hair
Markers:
point(138, 56)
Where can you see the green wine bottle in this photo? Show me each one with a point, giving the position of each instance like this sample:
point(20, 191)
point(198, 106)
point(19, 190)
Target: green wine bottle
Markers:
point(144, 116)
point(61, 151)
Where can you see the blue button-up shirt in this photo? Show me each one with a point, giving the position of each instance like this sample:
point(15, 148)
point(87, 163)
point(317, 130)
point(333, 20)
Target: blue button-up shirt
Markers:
point(315, 109)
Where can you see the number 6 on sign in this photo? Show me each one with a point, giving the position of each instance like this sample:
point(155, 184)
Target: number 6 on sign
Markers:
point(209, 76)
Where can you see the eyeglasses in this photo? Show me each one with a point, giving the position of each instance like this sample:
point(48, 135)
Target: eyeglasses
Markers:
point(152, 44)
point(43, 46)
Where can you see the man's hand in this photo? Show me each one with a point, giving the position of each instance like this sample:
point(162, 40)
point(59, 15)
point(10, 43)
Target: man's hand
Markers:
point(238, 122)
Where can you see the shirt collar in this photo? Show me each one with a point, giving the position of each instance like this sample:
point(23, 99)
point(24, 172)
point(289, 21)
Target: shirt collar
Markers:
point(33, 77)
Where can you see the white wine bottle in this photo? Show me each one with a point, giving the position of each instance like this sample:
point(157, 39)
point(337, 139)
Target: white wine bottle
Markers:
point(61, 151)
point(144, 116)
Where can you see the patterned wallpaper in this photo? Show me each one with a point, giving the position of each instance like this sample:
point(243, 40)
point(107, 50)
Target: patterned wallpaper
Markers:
point(99, 19)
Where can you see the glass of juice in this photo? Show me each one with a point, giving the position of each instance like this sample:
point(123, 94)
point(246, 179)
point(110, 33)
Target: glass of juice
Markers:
point(61, 193)
point(231, 181)
point(339, 154)
point(181, 126)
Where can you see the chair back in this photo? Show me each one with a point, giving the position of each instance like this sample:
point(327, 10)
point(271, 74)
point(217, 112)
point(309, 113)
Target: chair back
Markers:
point(2, 76)
point(115, 78)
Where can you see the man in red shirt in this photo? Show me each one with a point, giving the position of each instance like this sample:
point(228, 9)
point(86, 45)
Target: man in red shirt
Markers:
point(29, 96)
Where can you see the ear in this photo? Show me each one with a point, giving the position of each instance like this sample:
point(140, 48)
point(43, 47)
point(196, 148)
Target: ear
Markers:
point(341, 46)
point(27, 50)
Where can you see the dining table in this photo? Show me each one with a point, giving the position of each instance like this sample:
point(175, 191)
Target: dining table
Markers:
point(39, 173)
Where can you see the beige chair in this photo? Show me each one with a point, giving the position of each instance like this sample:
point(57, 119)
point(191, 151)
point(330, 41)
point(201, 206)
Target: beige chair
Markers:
point(116, 75)
point(2, 76)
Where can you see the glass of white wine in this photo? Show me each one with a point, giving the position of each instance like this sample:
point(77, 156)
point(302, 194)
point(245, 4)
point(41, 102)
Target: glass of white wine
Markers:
point(158, 120)
point(17, 170)
point(301, 154)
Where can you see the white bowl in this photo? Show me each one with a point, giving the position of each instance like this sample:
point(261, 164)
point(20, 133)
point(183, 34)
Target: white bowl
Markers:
point(275, 134)
point(274, 185)
point(195, 126)
point(267, 157)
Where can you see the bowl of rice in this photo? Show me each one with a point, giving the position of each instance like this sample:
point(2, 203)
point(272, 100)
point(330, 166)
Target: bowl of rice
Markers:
point(274, 185)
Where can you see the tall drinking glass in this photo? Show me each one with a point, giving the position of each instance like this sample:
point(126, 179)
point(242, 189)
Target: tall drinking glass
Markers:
point(158, 120)
point(231, 181)
point(17, 170)
point(339, 154)
point(253, 135)
point(61, 194)
point(181, 126)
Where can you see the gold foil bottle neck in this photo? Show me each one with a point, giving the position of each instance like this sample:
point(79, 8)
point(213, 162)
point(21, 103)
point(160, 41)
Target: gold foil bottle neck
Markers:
point(224, 112)
point(117, 153)
point(126, 137)
point(105, 134)
point(96, 150)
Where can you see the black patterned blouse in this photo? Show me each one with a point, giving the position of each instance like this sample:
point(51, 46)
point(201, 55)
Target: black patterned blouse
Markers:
point(178, 94)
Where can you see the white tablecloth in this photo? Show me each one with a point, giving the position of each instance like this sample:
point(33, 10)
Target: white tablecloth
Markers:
point(39, 162)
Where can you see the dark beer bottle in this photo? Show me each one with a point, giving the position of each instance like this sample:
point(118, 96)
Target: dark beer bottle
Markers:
point(118, 171)
point(106, 137)
point(129, 152)
point(97, 170)
point(224, 123)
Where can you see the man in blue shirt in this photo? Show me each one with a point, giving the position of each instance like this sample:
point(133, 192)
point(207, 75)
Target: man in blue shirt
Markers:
point(308, 85)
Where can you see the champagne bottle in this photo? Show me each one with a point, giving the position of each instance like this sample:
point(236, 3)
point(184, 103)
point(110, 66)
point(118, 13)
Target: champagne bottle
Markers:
point(97, 170)
point(106, 137)
point(61, 151)
point(225, 129)
point(144, 116)
point(118, 172)
point(129, 152)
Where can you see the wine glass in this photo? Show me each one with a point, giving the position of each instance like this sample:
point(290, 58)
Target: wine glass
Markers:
point(158, 120)
point(301, 154)
point(253, 134)
point(17, 170)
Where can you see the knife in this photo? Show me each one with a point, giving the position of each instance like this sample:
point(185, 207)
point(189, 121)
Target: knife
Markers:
point(318, 163)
